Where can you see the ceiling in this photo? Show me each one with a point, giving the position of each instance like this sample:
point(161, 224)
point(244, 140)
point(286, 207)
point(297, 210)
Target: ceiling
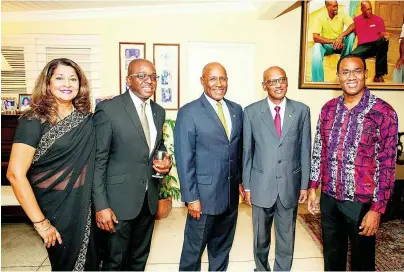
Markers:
point(24, 6)
point(51, 10)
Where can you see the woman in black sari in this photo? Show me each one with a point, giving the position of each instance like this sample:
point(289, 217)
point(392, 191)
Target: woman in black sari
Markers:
point(51, 165)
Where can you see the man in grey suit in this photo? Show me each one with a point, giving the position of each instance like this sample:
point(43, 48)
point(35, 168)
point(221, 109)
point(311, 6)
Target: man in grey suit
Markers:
point(276, 166)
point(207, 140)
point(129, 129)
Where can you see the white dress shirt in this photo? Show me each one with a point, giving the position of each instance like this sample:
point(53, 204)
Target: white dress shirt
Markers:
point(226, 111)
point(149, 115)
point(282, 105)
point(402, 34)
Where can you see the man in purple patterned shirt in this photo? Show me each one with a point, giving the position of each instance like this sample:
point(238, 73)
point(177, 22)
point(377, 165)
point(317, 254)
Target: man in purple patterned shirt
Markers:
point(353, 159)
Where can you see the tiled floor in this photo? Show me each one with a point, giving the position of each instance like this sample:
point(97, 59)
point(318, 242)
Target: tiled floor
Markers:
point(22, 250)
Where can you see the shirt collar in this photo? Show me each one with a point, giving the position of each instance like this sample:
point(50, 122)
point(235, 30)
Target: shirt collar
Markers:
point(328, 16)
point(136, 100)
point(272, 106)
point(213, 102)
point(362, 103)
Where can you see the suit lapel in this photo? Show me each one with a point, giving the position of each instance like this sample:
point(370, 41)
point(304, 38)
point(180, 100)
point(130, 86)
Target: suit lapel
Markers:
point(157, 123)
point(131, 110)
point(233, 118)
point(211, 113)
point(288, 118)
point(267, 118)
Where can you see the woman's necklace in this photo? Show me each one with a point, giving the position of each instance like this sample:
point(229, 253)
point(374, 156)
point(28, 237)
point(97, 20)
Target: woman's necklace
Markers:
point(60, 116)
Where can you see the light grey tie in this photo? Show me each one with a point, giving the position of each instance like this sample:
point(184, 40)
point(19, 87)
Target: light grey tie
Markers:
point(145, 124)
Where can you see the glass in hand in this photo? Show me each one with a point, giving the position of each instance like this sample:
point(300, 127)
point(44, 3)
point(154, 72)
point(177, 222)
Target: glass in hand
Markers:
point(159, 157)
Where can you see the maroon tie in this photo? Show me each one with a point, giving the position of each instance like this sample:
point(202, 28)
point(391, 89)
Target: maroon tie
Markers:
point(277, 121)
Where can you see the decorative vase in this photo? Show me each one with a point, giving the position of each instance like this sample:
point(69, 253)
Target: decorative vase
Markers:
point(164, 208)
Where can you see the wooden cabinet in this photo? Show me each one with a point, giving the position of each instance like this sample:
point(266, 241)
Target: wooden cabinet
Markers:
point(9, 212)
point(391, 11)
point(8, 126)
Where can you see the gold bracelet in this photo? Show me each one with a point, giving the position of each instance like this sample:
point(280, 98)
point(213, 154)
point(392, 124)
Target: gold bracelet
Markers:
point(44, 229)
point(39, 221)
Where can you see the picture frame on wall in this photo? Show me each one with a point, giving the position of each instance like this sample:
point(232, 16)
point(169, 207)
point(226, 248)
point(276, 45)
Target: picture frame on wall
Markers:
point(320, 72)
point(24, 101)
point(128, 51)
point(166, 59)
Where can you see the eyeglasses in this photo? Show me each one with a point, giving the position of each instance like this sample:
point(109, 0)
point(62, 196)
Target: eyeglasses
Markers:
point(274, 82)
point(221, 79)
point(143, 76)
point(345, 74)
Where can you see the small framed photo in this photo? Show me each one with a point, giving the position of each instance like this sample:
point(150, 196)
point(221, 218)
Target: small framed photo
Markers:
point(98, 99)
point(127, 53)
point(8, 104)
point(166, 59)
point(24, 101)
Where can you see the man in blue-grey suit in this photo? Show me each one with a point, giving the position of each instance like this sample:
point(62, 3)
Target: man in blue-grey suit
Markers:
point(276, 166)
point(208, 153)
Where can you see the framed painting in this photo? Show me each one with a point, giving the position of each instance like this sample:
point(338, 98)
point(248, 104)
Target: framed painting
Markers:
point(332, 29)
point(166, 59)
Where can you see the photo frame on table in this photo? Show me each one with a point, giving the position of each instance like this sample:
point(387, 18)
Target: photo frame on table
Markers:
point(24, 101)
point(8, 104)
point(314, 75)
point(128, 51)
point(98, 99)
point(166, 59)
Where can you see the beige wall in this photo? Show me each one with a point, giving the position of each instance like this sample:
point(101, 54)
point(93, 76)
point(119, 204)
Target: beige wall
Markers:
point(277, 43)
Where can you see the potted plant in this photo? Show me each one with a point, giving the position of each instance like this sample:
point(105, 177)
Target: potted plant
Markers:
point(167, 187)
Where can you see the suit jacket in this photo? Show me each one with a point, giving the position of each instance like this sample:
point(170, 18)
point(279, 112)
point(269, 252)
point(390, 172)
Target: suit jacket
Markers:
point(275, 166)
point(123, 165)
point(208, 163)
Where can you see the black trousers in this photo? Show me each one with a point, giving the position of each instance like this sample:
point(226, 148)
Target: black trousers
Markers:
point(377, 48)
point(129, 246)
point(214, 231)
point(340, 221)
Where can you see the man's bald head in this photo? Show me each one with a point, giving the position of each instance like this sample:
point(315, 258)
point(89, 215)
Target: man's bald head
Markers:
point(136, 64)
point(366, 8)
point(142, 86)
point(332, 8)
point(275, 83)
point(212, 65)
point(214, 80)
point(271, 70)
point(365, 3)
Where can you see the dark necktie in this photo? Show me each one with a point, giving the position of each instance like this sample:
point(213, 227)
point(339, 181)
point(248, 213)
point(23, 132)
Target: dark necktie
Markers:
point(277, 121)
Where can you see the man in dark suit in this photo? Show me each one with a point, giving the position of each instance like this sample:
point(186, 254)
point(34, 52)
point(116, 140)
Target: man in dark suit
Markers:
point(276, 166)
point(208, 142)
point(129, 130)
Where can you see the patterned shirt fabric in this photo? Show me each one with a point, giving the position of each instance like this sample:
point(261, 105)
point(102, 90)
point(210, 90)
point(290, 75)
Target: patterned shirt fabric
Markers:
point(354, 154)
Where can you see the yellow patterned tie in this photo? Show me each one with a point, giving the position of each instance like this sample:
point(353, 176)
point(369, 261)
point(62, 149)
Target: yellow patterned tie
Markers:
point(145, 123)
point(222, 119)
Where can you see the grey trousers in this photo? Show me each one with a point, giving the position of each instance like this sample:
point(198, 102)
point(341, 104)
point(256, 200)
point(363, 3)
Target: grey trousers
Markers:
point(285, 226)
